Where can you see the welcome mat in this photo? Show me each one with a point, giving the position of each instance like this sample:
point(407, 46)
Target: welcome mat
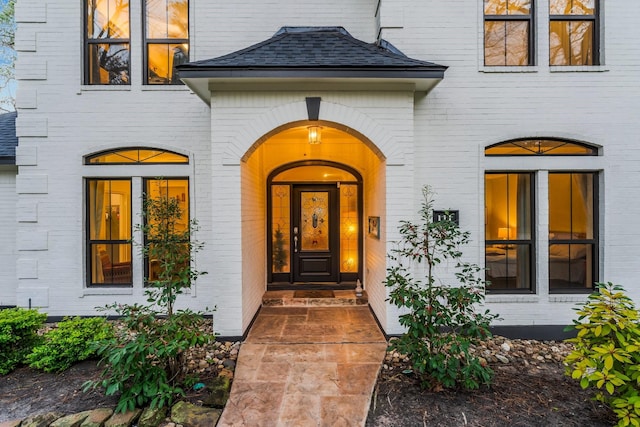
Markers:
point(314, 294)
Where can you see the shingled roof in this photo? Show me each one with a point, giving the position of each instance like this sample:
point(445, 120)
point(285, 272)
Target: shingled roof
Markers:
point(318, 53)
point(8, 138)
point(314, 47)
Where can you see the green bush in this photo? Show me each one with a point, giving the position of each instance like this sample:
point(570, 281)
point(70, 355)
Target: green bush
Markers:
point(18, 335)
point(441, 319)
point(69, 343)
point(145, 361)
point(607, 351)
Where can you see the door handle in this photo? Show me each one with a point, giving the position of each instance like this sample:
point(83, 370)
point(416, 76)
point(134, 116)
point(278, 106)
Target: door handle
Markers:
point(295, 243)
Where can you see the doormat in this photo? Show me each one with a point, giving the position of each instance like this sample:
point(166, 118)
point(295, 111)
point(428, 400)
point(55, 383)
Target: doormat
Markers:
point(314, 294)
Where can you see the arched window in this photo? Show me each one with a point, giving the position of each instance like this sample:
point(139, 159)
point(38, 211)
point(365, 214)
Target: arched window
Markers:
point(136, 156)
point(568, 218)
point(540, 147)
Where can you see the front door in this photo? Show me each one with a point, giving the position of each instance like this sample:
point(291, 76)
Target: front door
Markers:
point(315, 233)
point(314, 212)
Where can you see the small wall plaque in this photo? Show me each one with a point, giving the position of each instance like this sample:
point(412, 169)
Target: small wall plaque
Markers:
point(374, 227)
point(449, 215)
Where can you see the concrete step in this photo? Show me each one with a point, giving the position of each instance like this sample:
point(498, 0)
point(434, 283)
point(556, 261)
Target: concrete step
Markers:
point(313, 298)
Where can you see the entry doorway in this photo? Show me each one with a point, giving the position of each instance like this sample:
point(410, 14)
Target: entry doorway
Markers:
point(315, 222)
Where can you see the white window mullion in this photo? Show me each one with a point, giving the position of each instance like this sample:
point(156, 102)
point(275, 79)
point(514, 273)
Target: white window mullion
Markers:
point(542, 233)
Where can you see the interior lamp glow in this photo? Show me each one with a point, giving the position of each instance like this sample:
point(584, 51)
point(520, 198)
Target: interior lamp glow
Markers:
point(315, 135)
point(503, 233)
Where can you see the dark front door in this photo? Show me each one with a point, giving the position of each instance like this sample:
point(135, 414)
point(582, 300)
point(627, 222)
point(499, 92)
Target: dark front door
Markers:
point(315, 233)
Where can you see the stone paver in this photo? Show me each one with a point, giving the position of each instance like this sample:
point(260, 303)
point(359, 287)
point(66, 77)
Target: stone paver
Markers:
point(306, 366)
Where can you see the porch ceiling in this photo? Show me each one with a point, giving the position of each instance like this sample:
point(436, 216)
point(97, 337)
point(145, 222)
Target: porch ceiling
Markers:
point(297, 57)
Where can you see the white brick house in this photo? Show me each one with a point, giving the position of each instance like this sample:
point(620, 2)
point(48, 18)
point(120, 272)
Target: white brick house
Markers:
point(520, 114)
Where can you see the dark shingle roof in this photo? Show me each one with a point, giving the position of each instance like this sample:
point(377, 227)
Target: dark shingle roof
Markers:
point(313, 51)
point(8, 138)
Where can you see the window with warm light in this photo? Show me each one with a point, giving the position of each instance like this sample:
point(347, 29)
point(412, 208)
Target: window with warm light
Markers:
point(176, 189)
point(573, 32)
point(572, 231)
point(109, 232)
point(508, 32)
point(114, 203)
point(571, 212)
point(166, 39)
point(107, 42)
point(136, 156)
point(509, 246)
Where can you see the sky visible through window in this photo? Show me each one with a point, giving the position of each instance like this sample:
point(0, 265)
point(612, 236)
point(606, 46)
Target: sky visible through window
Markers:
point(7, 91)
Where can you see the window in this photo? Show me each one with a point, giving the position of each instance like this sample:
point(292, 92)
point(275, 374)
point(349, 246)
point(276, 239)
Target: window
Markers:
point(178, 190)
point(546, 147)
point(573, 32)
point(509, 245)
point(113, 211)
point(508, 32)
point(109, 232)
point(166, 39)
point(137, 156)
point(572, 231)
point(571, 214)
point(107, 42)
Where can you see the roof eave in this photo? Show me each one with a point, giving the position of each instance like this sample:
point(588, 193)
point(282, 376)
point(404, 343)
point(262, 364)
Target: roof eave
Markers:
point(7, 160)
point(204, 80)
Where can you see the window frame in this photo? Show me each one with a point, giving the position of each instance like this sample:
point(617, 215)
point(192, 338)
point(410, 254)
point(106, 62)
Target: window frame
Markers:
point(90, 242)
point(145, 180)
point(593, 150)
point(595, 18)
point(160, 151)
point(531, 242)
point(542, 166)
point(88, 42)
point(594, 241)
point(112, 171)
point(530, 19)
point(147, 41)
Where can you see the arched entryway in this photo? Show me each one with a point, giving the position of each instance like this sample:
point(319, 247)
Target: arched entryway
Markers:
point(314, 223)
point(284, 178)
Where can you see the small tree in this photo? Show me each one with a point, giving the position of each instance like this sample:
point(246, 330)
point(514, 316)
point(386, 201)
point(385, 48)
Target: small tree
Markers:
point(145, 362)
point(442, 322)
point(169, 245)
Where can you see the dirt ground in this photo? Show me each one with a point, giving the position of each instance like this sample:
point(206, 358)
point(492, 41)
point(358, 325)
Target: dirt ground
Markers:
point(26, 392)
point(525, 397)
point(520, 396)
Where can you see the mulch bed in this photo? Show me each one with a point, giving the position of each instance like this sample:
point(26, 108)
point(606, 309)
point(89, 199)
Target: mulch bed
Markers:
point(524, 396)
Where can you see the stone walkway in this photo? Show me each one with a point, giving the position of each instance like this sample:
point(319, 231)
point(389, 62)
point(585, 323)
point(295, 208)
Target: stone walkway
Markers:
point(306, 366)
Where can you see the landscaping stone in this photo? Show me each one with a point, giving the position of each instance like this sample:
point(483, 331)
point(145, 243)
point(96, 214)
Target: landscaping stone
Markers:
point(190, 415)
point(123, 419)
point(97, 417)
point(41, 420)
point(219, 392)
point(11, 423)
point(73, 420)
point(152, 417)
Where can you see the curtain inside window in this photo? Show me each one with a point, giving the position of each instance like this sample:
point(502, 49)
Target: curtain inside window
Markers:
point(97, 203)
point(523, 230)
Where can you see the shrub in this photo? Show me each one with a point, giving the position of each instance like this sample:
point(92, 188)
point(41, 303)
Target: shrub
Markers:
point(442, 322)
point(607, 351)
point(69, 343)
point(18, 335)
point(145, 362)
